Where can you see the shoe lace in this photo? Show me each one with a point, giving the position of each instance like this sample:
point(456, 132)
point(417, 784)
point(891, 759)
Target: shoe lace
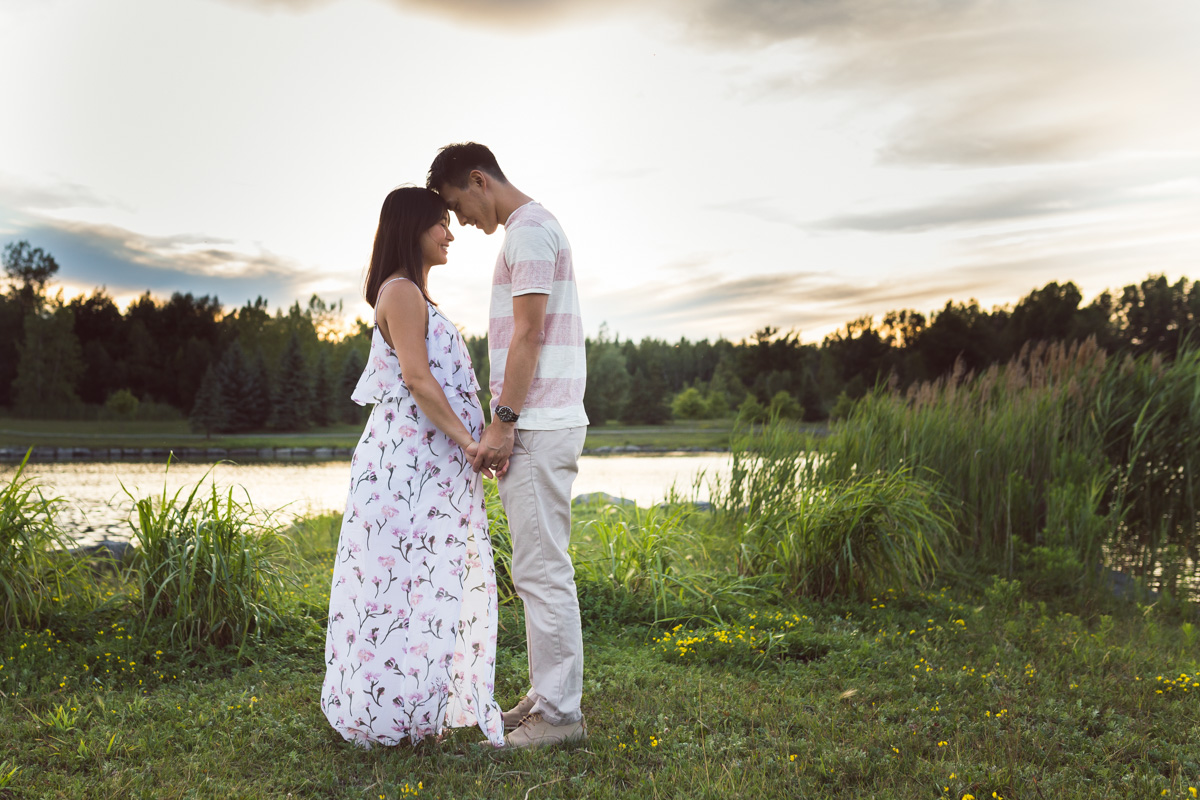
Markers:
point(530, 720)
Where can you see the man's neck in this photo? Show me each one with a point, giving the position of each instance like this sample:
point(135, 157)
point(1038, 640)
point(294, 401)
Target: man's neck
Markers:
point(508, 199)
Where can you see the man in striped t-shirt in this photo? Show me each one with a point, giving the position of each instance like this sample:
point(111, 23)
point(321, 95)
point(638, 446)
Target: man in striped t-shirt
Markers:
point(538, 374)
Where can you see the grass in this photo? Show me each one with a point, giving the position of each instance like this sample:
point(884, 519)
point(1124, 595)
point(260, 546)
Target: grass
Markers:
point(209, 564)
point(712, 671)
point(1062, 457)
point(31, 576)
point(931, 694)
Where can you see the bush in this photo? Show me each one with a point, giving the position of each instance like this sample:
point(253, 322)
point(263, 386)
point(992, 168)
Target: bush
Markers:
point(32, 576)
point(121, 404)
point(784, 406)
point(751, 411)
point(718, 406)
point(645, 569)
point(210, 565)
point(689, 404)
point(857, 537)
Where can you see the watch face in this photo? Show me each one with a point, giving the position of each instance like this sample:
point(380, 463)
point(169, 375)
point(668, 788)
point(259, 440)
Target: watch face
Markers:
point(506, 414)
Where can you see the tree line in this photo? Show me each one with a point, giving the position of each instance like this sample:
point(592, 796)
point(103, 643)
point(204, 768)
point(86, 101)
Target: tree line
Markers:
point(250, 369)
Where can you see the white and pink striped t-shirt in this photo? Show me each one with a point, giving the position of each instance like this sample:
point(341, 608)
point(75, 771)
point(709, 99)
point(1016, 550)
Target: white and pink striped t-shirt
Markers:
point(536, 259)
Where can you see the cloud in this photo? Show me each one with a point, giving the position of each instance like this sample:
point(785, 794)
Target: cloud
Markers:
point(987, 83)
point(1049, 194)
point(964, 82)
point(809, 302)
point(489, 13)
point(18, 193)
point(125, 261)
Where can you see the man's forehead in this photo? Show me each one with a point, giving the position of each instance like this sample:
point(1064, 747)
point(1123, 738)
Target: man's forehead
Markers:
point(450, 194)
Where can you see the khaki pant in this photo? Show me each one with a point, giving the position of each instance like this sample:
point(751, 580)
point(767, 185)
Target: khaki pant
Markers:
point(536, 493)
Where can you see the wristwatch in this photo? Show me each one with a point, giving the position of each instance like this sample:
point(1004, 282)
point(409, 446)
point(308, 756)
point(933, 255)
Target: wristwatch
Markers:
point(506, 414)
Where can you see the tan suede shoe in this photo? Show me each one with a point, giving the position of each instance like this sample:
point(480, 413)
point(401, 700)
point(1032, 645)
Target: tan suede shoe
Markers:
point(535, 731)
point(512, 718)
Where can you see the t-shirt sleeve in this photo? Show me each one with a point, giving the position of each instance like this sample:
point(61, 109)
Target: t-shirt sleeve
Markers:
point(531, 255)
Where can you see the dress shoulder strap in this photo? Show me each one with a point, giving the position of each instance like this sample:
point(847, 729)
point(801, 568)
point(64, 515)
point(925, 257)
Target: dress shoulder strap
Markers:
point(381, 288)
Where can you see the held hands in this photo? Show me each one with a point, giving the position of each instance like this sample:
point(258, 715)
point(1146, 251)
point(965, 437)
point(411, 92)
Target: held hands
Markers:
point(487, 459)
point(490, 456)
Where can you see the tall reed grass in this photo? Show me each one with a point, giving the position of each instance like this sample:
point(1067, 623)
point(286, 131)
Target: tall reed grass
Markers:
point(35, 572)
point(1063, 456)
point(994, 440)
point(1148, 419)
point(214, 567)
point(857, 537)
point(654, 559)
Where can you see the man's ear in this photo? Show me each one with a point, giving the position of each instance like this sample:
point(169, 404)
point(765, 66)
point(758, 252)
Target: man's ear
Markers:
point(478, 177)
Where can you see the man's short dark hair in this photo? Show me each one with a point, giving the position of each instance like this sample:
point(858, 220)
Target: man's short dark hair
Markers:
point(454, 162)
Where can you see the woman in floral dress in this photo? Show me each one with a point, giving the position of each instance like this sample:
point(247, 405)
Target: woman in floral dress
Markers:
point(411, 642)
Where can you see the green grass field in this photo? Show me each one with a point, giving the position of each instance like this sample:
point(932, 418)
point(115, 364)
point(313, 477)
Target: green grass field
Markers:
point(945, 693)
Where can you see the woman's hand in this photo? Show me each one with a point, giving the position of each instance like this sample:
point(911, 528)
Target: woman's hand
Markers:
point(489, 470)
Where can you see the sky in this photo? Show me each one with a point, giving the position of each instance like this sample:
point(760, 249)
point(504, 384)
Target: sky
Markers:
point(719, 166)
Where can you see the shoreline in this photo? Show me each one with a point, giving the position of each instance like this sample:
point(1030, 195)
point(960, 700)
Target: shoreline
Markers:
point(42, 455)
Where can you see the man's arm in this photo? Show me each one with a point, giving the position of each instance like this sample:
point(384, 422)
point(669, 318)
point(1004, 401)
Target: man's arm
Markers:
point(529, 324)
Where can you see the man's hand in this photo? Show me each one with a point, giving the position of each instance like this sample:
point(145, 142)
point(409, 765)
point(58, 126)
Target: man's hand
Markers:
point(494, 449)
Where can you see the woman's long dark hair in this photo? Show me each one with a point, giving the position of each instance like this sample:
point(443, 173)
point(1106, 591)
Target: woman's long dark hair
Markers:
point(406, 214)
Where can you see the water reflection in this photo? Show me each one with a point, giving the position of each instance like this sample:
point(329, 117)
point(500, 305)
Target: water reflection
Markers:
point(97, 505)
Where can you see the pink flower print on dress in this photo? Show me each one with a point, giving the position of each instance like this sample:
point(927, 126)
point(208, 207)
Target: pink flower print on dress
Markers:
point(406, 459)
point(365, 655)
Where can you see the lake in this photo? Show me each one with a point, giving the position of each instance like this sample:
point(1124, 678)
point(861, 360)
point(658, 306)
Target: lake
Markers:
point(97, 506)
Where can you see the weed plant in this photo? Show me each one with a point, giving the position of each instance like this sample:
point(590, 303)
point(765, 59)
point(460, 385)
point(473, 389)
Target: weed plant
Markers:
point(855, 537)
point(501, 539)
point(1057, 463)
point(995, 442)
point(213, 566)
point(650, 565)
point(1148, 418)
point(36, 575)
point(818, 533)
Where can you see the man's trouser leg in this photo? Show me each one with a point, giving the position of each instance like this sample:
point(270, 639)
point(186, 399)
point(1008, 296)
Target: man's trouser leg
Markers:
point(536, 493)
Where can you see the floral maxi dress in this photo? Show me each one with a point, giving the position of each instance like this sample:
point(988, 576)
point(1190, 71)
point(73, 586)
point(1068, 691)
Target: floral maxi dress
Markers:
point(410, 646)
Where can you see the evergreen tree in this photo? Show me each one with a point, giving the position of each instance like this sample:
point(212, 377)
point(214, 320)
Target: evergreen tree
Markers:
point(49, 361)
point(12, 331)
point(726, 382)
point(352, 369)
point(608, 380)
point(208, 413)
point(258, 392)
point(292, 408)
point(478, 350)
point(324, 405)
point(237, 390)
point(648, 391)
